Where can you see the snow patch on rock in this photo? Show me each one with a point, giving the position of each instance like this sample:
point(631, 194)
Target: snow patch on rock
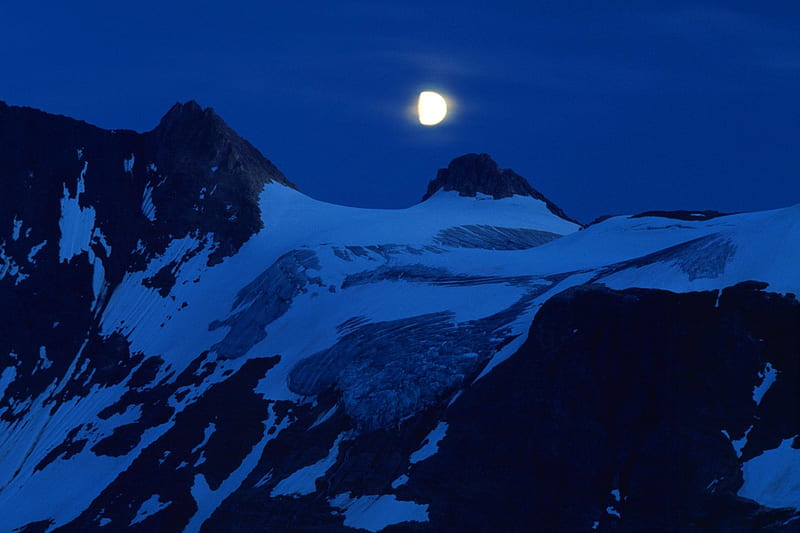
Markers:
point(76, 222)
point(149, 507)
point(376, 512)
point(430, 445)
point(148, 207)
point(771, 478)
point(303, 481)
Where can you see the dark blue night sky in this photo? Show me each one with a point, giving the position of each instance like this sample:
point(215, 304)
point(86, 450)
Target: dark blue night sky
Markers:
point(606, 107)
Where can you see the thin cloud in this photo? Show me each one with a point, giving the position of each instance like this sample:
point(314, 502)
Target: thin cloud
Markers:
point(754, 40)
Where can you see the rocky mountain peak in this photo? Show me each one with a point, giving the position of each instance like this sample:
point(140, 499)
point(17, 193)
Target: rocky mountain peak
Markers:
point(471, 174)
point(190, 134)
point(199, 152)
point(185, 111)
point(190, 175)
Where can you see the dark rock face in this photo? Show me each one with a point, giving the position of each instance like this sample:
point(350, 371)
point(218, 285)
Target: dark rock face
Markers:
point(190, 176)
point(471, 174)
point(201, 175)
point(198, 153)
point(231, 415)
point(628, 391)
point(682, 214)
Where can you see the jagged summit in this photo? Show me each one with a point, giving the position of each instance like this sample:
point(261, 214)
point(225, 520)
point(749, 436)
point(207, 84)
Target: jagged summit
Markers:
point(191, 174)
point(471, 174)
point(187, 110)
point(191, 115)
point(188, 134)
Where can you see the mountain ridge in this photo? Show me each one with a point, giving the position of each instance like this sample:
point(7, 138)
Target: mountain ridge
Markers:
point(187, 348)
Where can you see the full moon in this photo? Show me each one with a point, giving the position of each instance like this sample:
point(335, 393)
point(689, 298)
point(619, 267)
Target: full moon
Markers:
point(431, 108)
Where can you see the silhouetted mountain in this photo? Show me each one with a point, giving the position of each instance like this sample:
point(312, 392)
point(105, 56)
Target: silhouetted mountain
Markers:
point(188, 343)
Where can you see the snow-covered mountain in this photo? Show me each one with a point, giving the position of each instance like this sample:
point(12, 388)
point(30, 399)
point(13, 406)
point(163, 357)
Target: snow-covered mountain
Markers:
point(188, 343)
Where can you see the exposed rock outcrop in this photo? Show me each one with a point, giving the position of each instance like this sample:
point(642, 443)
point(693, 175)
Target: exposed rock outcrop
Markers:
point(473, 174)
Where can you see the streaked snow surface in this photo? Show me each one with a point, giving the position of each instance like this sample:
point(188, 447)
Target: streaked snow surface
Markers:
point(772, 478)
point(148, 208)
point(362, 268)
point(374, 513)
point(76, 222)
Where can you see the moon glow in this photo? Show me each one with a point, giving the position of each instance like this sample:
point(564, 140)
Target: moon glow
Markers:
point(431, 108)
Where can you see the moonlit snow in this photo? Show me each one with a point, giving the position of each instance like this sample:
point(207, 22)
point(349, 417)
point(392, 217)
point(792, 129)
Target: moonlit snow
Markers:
point(441, 264)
